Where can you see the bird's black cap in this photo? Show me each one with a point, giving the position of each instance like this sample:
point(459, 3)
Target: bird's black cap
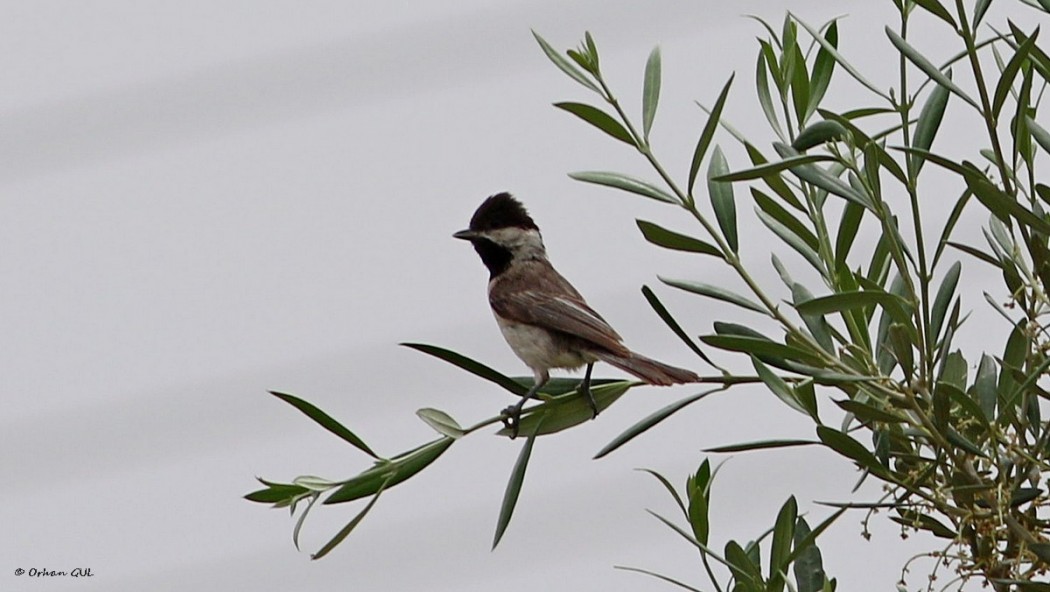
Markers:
point(501, 211)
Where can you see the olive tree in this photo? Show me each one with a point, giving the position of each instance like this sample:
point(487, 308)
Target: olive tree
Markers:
point(954, 434)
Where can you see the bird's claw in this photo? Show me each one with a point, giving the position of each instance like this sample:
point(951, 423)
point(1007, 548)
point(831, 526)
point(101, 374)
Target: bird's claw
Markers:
point(511, 418)
point(591, 402)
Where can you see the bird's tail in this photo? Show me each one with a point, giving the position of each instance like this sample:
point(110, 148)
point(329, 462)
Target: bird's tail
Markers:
point(647, 369)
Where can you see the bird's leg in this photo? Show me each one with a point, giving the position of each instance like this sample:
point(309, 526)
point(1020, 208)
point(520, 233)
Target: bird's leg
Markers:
point(512, 415)
point(585, 390)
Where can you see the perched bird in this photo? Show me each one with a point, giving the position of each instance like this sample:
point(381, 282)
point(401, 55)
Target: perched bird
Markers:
point(543, 318)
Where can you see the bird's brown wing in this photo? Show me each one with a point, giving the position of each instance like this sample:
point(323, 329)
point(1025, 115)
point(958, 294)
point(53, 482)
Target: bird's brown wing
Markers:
point(559, 313)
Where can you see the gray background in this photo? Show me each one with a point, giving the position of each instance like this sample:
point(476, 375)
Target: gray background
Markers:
point(205, 201)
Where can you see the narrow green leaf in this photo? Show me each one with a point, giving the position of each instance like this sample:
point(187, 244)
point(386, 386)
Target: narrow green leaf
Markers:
point(599, 119)
point(818, 326)
point(822, 178)
point(765, 98)
point(315, 484)
point(275, 492)
point(754, 553)
point(689, 538)
point(564, 65)
point(782, 271)
point(1023, 495)
point(1041, 550)
point(767, 350)
point(900, 344)
point(959, 440)
point(760, 445)
point(567, 411)
point(442, 422)
point(975, 252)
point(1003, 238)
point(475, 368)
point(1040, 60)
point(582, 60)
point(325, 421)
point(868, 413)
point(626, 183)
point(780, 547)
point(661, 577)
point(965, 403)
point(699, 510)
point(390, 473)
point(1004, 206)
point(302, 520)
point(823, 68)
point(984, 386)
point(778, 386)
point(517, 478)
point(941, 161)
point(949, 225)
point(744, 570)
point(592, 49)
point(774, 181)
point(669, 320)
point(979, 11)
point(789, 57)
point(850, 448)
point(770, 169)
point(953, 369)
point(650, 91)
point(924, 522)
point(808, 565)
point(724, 328)
point(833, 52)
point(809, 539)
point(852, 215)
point(936, 9)
point(1022, 138)
point(928, 68)
point(793, 240)
point(651, 420)
point(887, 162)
point(1041, 136)
point(876, 147)
point(895, 305)
point(350, 526)
point(944, 298)
point(781, 215)
point(670, 489)
point(722, 198)
point(862, 112)
point(715, 292)
point(799, 83)
point(1006, 79)
point(819, 134)
point(929, 121)
point(707, 134)
point(669, 239)
point(773, 37)
point(1024, 585)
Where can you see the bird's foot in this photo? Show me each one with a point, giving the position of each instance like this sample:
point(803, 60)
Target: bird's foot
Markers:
point(586, 392)
point(511, 418)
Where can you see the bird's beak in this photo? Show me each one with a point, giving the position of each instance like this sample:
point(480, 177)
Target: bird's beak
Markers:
point(466, 235)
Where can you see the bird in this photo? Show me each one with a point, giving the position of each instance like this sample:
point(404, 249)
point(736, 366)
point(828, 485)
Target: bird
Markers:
point(543, 318)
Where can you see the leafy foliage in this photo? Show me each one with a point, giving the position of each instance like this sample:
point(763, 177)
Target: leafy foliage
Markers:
point(956, 437)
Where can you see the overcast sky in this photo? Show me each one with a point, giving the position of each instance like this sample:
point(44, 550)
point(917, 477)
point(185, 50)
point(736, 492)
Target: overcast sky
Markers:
point(203, 201)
